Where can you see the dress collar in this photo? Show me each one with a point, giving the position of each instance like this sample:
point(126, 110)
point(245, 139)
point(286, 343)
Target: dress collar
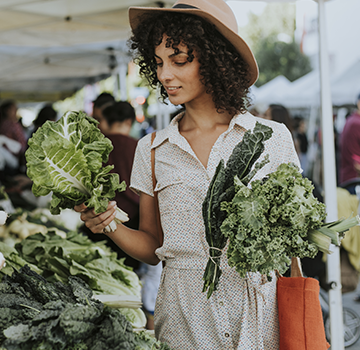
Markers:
point(245, 121)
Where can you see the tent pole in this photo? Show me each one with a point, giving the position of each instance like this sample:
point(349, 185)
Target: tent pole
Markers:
point(329, 181)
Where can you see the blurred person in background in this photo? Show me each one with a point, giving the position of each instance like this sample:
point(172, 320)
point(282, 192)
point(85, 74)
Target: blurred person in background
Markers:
point(46, 113)
point(350, 151)
point(302, 141)
point(280, 114)
point(14, 177)
point(116, 122)
point(104, 100)
point(10, 125)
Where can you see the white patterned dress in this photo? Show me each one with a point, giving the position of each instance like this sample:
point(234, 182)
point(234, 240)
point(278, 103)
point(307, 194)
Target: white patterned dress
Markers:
point(242, 313)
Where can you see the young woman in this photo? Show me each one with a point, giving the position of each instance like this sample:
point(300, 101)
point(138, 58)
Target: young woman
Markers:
point(194, 54)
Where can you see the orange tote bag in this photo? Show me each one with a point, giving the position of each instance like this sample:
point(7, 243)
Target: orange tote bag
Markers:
point(300, 316)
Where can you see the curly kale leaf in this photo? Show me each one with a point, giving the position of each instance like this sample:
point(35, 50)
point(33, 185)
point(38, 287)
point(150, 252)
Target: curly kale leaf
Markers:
point(270, 222)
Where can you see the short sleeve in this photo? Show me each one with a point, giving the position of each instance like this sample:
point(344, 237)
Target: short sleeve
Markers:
point(289, 153)
point(141, 178)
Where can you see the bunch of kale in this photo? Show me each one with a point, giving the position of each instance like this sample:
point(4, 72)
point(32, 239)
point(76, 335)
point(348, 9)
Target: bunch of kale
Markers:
point(222, 188)
point(275, 218)
point(36, 314)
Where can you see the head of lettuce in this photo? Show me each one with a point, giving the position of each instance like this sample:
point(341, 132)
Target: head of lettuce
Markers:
point(66, 158)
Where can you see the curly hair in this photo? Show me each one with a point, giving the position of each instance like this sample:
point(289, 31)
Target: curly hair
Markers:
point(223, 71)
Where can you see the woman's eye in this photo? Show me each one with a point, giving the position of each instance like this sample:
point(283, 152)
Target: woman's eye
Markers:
point(158, 64)
point(180, 63)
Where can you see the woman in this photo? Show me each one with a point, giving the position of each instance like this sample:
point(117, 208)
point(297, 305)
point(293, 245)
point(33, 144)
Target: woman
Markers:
point(193, 52)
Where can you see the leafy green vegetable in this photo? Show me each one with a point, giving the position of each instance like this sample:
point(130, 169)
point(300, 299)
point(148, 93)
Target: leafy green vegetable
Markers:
point(276, 219)
point(37, 315)
point(147, 342)
point(266, 223)
point(60, 316)
point(66, 158)
point(269, 223)
point(222, 188)
point(57, 258)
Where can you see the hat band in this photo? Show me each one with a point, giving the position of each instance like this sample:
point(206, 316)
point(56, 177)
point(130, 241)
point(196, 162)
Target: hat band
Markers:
point(184, 6)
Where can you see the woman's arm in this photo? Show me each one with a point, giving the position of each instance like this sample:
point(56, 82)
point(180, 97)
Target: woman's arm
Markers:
point(139, 244)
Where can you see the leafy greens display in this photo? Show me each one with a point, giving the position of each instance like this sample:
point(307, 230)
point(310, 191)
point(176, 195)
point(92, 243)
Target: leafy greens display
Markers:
point(57, 258)
point(66, 158)
point(267, 222)
point(36, 314)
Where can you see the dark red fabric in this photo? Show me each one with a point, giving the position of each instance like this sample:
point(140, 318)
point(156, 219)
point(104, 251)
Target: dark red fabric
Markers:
point(349, 146)
point(14, 130)
point(300, 316)
point(122, 157)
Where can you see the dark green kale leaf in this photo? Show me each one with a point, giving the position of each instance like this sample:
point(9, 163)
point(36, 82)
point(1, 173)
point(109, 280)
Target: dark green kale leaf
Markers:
point(215, 239)
point(247, 152)
point(66, 317)
point(41, 290)
point(112, 332)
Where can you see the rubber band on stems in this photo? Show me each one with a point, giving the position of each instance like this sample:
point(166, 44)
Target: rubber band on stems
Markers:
point(212, 258)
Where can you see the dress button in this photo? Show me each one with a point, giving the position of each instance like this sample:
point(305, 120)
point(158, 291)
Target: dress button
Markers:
point(227, 335)
point(221, 303)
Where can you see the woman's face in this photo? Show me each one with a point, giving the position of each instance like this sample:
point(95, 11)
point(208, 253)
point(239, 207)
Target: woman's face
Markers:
point(180, 78)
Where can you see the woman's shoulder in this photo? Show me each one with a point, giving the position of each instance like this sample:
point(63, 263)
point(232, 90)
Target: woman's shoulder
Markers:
point(145, 141)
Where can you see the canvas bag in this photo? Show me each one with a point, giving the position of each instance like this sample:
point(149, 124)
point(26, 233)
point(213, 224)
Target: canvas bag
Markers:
point(300, 316)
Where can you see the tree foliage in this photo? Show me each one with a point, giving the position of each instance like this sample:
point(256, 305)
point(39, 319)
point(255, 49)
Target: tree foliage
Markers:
point(271, 38)
point(276, 57)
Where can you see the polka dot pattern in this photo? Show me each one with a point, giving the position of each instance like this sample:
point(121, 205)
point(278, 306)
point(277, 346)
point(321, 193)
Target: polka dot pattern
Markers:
point(242, 313)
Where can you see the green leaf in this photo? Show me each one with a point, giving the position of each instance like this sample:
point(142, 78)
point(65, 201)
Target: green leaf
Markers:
point(66, 158)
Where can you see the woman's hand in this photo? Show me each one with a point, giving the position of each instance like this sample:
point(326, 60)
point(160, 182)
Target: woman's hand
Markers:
point(96, 223)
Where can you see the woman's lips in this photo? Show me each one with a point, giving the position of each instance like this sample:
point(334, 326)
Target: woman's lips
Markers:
point(172, 90)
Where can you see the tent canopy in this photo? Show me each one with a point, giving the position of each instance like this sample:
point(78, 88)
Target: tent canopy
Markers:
point(50, 49)
point(305, 91)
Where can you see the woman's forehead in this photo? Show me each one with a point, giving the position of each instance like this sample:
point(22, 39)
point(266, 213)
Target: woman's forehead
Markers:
point(167, 46)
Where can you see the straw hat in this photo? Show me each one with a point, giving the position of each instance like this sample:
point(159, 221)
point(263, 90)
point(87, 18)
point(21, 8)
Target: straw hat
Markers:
point(216, 12)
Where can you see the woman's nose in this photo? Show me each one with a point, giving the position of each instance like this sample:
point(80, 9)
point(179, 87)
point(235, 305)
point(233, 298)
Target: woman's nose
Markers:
point(165, 73)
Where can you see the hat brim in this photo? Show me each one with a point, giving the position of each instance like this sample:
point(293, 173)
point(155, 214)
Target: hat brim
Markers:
point(135, 14)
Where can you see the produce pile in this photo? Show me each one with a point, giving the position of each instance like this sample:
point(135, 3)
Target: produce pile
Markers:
point(266, 222)
point(66, 158)
point(23, 223)
point(57, 258)
point(36, 314)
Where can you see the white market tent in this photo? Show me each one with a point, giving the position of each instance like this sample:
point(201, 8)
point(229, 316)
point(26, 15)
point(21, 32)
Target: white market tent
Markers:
point(272, 91)
point(345, 88)
point(50, 49)
point(305, 91)
point(41, 37)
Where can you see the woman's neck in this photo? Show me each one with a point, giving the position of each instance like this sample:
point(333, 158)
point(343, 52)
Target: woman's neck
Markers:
point(203, 117)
